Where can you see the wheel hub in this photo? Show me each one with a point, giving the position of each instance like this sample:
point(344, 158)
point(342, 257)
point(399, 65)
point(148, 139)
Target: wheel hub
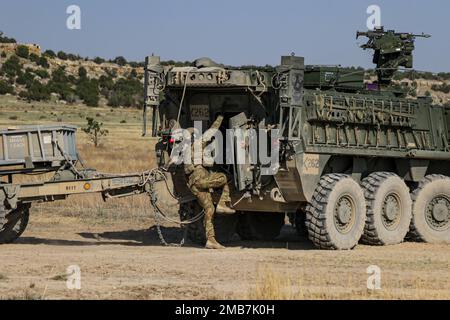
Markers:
point(438, 213)
point(344, 213)
point(391, 211)
point(391, 207)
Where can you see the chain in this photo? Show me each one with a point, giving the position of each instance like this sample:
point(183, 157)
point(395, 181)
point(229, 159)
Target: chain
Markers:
point(161, 236)
point(151, 178)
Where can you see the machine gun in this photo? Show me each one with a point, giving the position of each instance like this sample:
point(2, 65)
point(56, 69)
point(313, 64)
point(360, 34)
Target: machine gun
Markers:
point(392, 50)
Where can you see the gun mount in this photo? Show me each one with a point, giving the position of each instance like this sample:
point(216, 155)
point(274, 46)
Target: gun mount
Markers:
point(392, 50)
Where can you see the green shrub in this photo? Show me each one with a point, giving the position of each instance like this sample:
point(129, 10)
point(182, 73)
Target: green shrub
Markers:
point(3, 55)
point(12, 66)
point(126, 92)
point(88, 91)
point(23, 51)
point(34, 57)
point(25, 78)
point(42, 73)
point(43, 62)
point(82, 73)
point(36, 91)
point(106, 82)
point(99, 60)
point(5, 87)
point(445, 88)
point(121, 61)
point(62, 55)
point(4, 39)
point(61, 85)
point(94, 130)
point(50, 53)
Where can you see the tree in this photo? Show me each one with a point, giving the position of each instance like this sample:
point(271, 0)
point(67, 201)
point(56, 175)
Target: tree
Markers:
point(50, 53)
point(95, 131)
point(25, 78)
point(23, 51)
point(82, 73)
point(42, 73)
point(62, 55)
point(88, 91)
point(121, 61)
point(99, 60)
point(43, 62)
point(4, 39)
point(12, 66)
point(36, 91)
point(5, 88)
point(33, 57)
point(59, 84)
point(127, 93)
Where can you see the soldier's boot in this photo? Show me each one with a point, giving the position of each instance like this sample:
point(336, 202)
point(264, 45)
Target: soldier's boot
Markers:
point(211, 242)
point(224, 209)
point(222, 206)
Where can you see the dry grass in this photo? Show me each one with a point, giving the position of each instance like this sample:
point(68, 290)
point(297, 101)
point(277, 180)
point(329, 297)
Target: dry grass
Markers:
point(271, 285)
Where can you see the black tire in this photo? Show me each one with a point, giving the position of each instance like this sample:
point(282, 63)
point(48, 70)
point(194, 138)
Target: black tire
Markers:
point(13, 223)
point(224, 225)
point(260, 226)
point(388, 209)
point(431, 210)
point(337, 213)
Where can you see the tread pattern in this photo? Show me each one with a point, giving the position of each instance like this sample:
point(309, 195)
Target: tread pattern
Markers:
point(414, 234)
point(370, 186)
point(315, 218)
point(13, 224)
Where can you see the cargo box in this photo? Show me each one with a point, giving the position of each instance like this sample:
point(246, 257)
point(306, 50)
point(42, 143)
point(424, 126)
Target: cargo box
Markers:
point(37, 146)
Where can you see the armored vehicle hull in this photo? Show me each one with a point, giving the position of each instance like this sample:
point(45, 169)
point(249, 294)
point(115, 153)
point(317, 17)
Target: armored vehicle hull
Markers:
point(357, 162)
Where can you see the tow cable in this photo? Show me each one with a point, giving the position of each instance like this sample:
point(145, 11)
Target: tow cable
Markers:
point(151, 178)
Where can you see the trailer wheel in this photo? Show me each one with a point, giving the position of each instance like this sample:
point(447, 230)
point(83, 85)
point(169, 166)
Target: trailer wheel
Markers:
point(337, 213)
point(13, 223)
point(260, 225)
point(388, 209)
point(224, 225)
point(431, 210)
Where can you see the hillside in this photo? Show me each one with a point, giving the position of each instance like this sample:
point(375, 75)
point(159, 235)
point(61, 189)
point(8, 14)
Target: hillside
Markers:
point(61, 77)
point(32, 75)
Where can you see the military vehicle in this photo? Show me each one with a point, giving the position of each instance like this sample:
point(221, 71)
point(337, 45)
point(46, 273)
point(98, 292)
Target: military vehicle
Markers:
point(359, 161)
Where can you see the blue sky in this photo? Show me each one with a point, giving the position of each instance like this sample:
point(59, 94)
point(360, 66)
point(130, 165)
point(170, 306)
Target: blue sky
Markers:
point(233, 32)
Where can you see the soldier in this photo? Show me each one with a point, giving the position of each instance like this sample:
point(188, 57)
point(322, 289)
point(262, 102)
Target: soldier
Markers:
point(201, 182)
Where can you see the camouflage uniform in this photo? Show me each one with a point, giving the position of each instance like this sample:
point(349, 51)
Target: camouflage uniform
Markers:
point(201, 182)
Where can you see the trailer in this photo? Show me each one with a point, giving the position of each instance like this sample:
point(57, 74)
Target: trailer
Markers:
point(51, 150)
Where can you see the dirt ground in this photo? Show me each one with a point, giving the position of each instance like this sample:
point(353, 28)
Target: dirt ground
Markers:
point(120, 256)
point(125, 260)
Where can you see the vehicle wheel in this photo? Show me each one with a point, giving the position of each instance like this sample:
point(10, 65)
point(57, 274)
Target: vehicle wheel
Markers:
point(260, 225)
point(337, 213)
point(388, 209)
point(224, 225)
point(13, 223)
point(431, 210)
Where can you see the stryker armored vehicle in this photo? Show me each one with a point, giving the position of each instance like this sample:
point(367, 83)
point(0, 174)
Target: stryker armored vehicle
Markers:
point(358, 161)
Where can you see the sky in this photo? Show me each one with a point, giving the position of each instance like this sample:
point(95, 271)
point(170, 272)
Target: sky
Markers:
point(233, 32)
